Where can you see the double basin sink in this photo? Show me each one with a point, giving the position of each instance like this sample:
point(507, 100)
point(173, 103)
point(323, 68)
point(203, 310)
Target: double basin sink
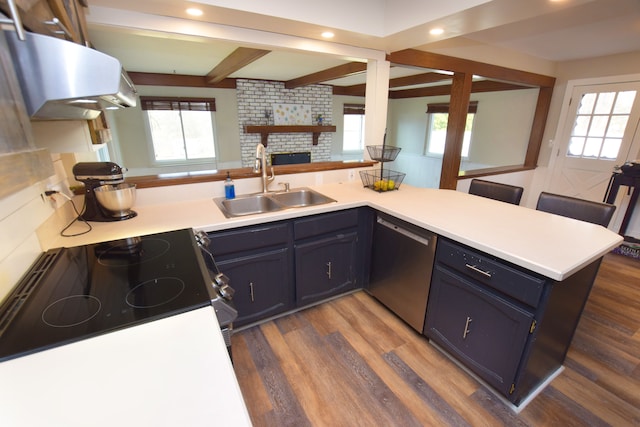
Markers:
point(251, 204)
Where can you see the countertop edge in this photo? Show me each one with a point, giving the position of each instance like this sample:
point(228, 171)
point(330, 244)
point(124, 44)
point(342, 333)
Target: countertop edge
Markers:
point(484, 224)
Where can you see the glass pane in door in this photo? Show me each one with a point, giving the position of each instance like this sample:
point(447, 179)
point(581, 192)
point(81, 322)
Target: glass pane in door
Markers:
point(600, 124)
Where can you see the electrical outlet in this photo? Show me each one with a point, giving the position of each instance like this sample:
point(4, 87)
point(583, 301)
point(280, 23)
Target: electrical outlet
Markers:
point(53, 196)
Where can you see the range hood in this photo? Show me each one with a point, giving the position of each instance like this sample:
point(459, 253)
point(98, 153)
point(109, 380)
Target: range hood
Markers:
point(62, 80)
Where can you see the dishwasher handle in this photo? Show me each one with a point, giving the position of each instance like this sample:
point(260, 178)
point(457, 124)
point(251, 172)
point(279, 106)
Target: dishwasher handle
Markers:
point(398, 229)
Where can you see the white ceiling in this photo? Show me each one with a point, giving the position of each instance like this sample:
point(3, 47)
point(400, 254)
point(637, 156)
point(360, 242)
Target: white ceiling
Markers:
point(593, 29)
point(552, 30)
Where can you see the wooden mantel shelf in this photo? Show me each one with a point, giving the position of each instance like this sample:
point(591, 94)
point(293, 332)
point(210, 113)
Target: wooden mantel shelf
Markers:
point(264, 131)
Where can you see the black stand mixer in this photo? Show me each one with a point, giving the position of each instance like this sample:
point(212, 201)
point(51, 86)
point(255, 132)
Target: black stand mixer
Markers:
point(94, 175)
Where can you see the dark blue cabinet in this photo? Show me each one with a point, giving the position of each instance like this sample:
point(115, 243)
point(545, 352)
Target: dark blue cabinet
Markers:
point(484, 331)
point(261, 282)
point(259, 263)
point(325, 267)
point(331, 253)
point(280, 266)
point(508, 325)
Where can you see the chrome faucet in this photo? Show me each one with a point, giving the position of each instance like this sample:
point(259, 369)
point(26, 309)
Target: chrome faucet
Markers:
point(261, 165)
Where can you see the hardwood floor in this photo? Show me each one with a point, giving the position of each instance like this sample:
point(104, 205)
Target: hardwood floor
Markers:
point(350, 362)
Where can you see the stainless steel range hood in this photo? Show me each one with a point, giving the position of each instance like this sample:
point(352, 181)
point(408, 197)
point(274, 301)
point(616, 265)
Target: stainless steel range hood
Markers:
point(61, 80)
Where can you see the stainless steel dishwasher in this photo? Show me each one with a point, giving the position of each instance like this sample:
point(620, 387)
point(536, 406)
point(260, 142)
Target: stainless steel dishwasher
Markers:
point(401, 266)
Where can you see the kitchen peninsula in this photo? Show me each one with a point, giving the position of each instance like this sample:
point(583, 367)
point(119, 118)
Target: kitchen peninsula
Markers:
point(552, 246)
point(543, 244)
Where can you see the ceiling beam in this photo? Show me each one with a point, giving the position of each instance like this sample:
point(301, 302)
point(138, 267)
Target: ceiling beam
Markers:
point(239, 58)
point(340, 71)
point(355, 90)
point(476, 87)
point(434, 61)
point(417, 79)
point(158, 79)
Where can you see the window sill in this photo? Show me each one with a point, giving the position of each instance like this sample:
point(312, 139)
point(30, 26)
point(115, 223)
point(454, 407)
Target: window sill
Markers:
point(163, 180)
point(499, 170)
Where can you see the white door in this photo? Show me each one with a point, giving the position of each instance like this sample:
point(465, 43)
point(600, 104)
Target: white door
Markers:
point(600, 130)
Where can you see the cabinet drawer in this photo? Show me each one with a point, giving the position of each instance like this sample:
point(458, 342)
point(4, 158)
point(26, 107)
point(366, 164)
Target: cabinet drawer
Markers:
point(517, 284)
point(325, 223)
point(248, 238)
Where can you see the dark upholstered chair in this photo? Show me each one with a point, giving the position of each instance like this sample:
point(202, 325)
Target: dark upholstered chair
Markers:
point(496, 191)
point(572, 207)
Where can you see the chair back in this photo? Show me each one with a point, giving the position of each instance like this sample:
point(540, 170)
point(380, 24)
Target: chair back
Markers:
point(572, 207)
point(496, 191)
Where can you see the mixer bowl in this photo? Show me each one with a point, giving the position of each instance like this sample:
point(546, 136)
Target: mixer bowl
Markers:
point(118, 199)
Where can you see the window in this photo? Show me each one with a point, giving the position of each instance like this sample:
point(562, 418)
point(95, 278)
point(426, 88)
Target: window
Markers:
point(353, 136)
point(437, 118)
point(600, 124)
point(181, 128)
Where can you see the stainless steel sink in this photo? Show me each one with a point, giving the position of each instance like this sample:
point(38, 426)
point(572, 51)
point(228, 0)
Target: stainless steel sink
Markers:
point(247, 205)
point(252, 204)
point(301, 197)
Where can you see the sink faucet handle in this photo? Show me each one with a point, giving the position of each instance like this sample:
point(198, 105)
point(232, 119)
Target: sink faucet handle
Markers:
point(286, 185)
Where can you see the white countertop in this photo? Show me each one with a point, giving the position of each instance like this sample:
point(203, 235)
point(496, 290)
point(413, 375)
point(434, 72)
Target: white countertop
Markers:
point(170, 372)
point(175, 371)
point(551, 245)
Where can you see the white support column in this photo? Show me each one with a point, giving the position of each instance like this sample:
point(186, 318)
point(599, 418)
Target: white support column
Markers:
point(376, 103)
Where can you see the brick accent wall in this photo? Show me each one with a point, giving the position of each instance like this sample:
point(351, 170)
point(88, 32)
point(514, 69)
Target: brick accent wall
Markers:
point(257, 96)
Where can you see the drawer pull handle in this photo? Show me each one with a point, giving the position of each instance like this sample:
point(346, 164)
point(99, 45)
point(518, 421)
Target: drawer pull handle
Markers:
point(466, 327)
point(251, 291)
point(478, 270)
point(329, 269)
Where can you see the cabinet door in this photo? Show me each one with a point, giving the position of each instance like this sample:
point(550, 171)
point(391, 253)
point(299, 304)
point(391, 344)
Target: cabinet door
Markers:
point(325, 267)
point(485, 332)
point(37, 16)
point(71, 14)
point(262, 284)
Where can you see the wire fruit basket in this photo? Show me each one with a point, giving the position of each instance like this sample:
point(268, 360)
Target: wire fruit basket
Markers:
point(381, 180)
point(383, 153)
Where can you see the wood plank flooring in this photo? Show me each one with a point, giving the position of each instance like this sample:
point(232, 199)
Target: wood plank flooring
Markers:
point(350, 362)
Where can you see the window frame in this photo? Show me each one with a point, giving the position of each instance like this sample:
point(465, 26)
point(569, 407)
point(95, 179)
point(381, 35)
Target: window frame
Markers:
point(169, 103)
point(359, 110)
point(443, 108)
point(592, 117)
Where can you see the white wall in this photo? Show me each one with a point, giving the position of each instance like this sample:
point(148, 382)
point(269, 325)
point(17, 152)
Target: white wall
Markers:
point(502, 127)
point(130, 135)
point(21, 214)
point(500, 133)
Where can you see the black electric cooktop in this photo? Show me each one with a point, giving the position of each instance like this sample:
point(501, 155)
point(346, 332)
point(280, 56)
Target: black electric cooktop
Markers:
point(75, 293)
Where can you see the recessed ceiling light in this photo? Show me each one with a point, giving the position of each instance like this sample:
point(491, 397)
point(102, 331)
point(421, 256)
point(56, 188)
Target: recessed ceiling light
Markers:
point(436, 31)
point(194, 12)
point(328, 35)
